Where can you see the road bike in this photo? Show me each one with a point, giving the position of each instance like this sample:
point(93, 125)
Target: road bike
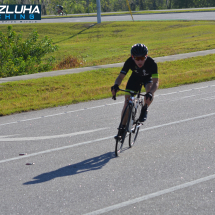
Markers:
point(59, 10)
point(132, 126)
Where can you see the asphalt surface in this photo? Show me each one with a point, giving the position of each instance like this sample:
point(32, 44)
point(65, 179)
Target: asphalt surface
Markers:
point(84, 69)
point(170, 170)
point(140, 17)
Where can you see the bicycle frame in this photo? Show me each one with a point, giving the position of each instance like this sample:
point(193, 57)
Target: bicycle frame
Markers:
point(134, 100)
point(132, 124)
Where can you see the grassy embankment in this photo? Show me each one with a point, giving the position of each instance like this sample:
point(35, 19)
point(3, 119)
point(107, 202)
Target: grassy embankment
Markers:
point(110, 43)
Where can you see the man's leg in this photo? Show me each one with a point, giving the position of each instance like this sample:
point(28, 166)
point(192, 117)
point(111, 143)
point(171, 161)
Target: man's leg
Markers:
point(127, 98)
point(147, 102)
point(132, 84)
point(122, 130)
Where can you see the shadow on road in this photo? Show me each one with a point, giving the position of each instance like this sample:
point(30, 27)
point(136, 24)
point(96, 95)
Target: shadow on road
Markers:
point(95, 163)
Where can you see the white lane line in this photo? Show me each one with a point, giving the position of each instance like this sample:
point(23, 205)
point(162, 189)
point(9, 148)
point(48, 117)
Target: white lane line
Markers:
point(177, 122)
point(177, 99)
point(8, 135)
point(209, 98)
point(55, 149)
point(105, 138)
point(168, 94)
point(3, 139)
point(152, 195)
point(200, 88)
point(185, 97)
point(182, 91)
point(58, 114)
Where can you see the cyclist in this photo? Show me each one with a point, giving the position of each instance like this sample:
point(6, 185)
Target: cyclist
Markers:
point(144, 71)
point(60, 9)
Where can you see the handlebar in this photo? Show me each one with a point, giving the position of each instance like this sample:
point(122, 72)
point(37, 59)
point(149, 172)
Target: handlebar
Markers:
point(131, 92)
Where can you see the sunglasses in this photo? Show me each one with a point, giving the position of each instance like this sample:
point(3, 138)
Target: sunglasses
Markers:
point(139, 58)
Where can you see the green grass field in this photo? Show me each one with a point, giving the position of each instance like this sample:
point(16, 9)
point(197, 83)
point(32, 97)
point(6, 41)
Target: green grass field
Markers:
point(110, 42)
point(69, 89)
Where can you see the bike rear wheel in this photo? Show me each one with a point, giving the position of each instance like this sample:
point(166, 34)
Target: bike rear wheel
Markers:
point(120, 140)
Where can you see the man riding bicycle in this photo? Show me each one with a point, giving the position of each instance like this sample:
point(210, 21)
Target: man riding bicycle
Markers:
point(144, 72)
point(60, 9)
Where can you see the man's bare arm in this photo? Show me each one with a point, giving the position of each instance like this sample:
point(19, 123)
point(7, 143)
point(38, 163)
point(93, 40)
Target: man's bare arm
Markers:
point(155, 84)
point(119, 79)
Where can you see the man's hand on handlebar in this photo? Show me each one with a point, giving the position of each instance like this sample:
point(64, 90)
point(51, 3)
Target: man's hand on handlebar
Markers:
point(148, 98)
point(114, 90)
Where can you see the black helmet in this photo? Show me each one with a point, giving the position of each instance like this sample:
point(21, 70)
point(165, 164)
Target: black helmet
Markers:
point(139, 50)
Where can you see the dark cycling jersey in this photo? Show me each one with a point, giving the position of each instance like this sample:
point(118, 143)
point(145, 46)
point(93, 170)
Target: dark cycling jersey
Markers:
point(148, 70)
point(141, 75)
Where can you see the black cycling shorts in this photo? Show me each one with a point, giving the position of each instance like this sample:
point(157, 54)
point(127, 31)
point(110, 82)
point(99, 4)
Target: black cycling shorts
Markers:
point(134, 82)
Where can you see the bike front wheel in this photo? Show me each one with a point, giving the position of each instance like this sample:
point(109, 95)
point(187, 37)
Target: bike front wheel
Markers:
point(119, 141)
point(121, 137)
point(133, 134)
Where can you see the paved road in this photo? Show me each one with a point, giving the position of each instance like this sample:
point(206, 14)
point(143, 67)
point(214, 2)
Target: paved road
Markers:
point(144, 17)
point(140, 17)
point(70, 71)
point(169, 171)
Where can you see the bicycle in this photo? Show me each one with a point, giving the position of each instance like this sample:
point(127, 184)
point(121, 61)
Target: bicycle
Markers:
point(60, 11)
point(132, 126)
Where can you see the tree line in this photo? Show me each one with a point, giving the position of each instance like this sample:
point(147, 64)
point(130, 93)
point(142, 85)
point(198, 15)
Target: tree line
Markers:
point(89, 6)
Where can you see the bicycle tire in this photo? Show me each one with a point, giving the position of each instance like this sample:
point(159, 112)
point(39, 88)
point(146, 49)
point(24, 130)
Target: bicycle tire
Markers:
point(135, 129)
point(133, 135)
point(119, 142)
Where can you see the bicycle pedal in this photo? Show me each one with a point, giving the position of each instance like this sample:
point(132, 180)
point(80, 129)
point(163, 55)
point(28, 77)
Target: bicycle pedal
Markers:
point(139, 124)
point(117, 137)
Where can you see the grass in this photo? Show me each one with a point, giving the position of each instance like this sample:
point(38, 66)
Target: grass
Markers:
point(110, 42)
point(69, 89)
point(187, 71)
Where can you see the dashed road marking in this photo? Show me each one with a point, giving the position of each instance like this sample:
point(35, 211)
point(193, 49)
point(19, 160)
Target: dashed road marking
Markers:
point(5, 139)
point(90, 108)
point(105, 138)
point(152, 195)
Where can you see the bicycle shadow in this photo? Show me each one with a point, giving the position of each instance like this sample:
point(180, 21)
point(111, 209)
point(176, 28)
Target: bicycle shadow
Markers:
point(90, 26)
point(91, 164)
